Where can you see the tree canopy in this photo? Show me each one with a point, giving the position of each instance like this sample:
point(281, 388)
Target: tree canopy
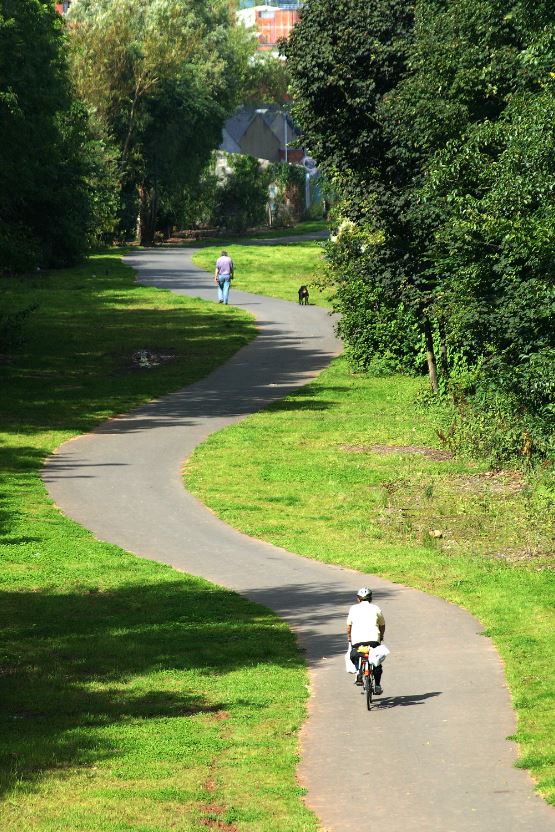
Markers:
point(433, 121)
point(52, 169)
point(161, 76)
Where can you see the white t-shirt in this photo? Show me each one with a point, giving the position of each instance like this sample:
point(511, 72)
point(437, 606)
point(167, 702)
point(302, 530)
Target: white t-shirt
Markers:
point(365, 620)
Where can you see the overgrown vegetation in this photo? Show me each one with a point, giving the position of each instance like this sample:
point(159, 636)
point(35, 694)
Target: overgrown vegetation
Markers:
point(434, 123)
point(116, 708)
point(347, 471)
point(240, 199)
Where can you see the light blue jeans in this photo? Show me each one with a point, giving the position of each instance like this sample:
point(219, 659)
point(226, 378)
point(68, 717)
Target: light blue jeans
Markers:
point(223, 288)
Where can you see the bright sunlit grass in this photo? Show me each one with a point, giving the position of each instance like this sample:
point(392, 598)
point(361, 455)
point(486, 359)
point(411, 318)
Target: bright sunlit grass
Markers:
point(276, 271)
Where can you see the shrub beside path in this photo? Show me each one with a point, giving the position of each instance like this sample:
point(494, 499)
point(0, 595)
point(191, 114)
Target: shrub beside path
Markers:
point(433, 755)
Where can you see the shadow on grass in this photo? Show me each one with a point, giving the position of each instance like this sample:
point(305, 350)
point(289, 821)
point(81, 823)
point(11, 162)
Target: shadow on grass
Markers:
point(310, 399)
point(76, 362)
point(73, 664)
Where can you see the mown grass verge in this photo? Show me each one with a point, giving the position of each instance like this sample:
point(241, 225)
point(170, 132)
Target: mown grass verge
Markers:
point(343, 471)
point(275, 271)
point(132, 697)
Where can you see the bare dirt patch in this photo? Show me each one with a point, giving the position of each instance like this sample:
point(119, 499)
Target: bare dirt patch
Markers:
point(213, 823)
point(543, 561)
point(210, 785)
point(212, 817)
point(430, 453)
point(493, 482)
point(213, 809)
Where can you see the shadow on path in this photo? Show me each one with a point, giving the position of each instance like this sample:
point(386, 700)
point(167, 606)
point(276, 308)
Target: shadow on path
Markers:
point(405, 701)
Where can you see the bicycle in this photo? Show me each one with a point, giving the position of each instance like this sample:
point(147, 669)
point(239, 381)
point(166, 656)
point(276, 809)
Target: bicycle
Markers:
point(366, 670)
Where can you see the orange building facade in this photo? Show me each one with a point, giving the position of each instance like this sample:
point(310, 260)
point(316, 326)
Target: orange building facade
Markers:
point(271, 23)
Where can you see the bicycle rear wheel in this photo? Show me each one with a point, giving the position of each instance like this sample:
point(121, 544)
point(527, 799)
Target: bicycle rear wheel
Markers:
point(368, 689)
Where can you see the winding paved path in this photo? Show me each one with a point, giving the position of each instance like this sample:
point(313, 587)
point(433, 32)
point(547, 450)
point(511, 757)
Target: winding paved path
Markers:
point(433, 756)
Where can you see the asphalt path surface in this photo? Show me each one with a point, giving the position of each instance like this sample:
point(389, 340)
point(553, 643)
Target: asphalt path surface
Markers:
point(432, 755)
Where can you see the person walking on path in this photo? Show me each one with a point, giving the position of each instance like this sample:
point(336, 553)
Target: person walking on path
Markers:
point(223, 275)
point(365, 625)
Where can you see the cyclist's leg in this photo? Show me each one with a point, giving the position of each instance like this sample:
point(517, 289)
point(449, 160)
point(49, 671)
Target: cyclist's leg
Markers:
point(355, 658)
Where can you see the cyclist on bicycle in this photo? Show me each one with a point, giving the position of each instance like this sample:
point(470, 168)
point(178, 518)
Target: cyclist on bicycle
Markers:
point(365, 625)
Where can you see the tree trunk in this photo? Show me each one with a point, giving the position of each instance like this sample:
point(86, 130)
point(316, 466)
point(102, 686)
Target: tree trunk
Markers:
point(443, 350)
point(430, 355)
point(148, 212)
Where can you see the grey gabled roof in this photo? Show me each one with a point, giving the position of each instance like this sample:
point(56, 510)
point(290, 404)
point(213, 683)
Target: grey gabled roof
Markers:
point(275, 119)
point(228, 142)
point(237, 125)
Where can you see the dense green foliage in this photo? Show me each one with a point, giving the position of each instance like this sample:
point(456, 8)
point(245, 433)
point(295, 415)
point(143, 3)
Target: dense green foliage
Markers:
point(266, 80)
point(161, 76)
point(436, 133)
point(233, 194)
point(240, 199)
point(56, 191)
point(288, 202)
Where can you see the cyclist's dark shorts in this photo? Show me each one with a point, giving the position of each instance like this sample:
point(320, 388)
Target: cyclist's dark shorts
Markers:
point(354, 651)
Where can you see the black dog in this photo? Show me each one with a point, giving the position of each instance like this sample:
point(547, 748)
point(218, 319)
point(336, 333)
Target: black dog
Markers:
point(303, 296)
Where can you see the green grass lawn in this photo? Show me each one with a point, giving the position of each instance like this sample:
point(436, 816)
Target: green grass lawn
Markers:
point(132, 698)
point(276, 271)
point(319, 477)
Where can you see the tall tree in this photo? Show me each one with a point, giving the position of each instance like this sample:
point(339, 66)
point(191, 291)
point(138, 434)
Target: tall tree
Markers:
point(344, 56)
point(445, 179)
point(161, 75)
point(266, 80)
point(51, 168)
point(345, 60)
point(380, 108)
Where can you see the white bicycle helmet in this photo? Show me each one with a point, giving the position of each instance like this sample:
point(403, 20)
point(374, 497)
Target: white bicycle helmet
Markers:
point(365, 594)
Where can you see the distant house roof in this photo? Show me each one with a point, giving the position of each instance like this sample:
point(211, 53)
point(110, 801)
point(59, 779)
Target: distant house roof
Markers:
point(247, 131)
point(228, 142)
point(275, 119)
point(239, 122)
